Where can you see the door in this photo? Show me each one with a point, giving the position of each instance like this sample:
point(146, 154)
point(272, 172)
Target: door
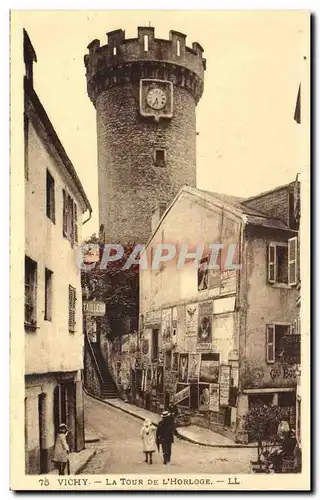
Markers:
point(42, 433)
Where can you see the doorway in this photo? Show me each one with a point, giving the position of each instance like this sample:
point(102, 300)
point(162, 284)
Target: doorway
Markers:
point(42, 433)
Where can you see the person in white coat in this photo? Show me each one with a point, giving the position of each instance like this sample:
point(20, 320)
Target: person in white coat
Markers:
point(147, 434)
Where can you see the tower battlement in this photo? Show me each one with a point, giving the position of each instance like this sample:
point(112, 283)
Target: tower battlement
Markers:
point(124, 60)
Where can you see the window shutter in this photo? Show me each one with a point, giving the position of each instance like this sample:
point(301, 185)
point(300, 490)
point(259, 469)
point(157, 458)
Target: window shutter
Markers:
point(292, 260)
point(75, 223)
point(65, 228)
point(72, 308)
point(270, 343)
point(272, 263)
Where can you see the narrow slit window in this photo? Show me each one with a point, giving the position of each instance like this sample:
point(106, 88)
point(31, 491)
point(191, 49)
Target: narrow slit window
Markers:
point(159, 157)
point(114, 51)
point(146, 43)
point(178, 48)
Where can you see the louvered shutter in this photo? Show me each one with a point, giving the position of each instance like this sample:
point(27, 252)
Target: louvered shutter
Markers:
point(72, 308)
point(292, 260)
point(75, 223)
point(65, 214)
point(270, 343)
point(272, 263)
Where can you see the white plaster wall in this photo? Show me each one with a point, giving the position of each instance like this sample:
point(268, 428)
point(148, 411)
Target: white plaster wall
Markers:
point(51, 347)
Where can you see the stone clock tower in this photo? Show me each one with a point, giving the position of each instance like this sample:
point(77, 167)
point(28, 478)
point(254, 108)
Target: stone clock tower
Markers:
point(145, 91)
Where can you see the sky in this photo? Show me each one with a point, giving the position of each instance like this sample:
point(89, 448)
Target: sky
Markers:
point(248, 141)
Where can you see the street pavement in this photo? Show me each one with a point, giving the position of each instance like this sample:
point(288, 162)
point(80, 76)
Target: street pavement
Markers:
point(120, 448)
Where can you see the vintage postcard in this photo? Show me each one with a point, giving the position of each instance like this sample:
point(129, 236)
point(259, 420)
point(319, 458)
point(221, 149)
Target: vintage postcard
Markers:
point(160, 166)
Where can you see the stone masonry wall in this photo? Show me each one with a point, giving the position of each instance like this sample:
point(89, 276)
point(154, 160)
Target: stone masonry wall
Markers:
point(129, 182)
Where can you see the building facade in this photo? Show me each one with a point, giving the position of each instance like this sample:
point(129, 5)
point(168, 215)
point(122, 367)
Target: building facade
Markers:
point(145, 91)
point(217, 341)
point(54, 205)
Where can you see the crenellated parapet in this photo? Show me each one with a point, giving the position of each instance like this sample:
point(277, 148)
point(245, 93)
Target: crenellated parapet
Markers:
point(124, 61)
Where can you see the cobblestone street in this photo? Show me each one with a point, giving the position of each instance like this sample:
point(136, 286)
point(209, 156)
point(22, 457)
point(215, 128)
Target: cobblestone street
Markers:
point(120, 450)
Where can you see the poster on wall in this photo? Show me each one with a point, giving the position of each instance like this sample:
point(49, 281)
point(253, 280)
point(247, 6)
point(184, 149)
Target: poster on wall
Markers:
point(149, 378)
point(154, 376)
point(166, 328)
point(145, 347)
point(194, 366)
point(224, 382)
point(204, 337)
point(170, 381)
point(175, 362)
point(183, 368)
point(191, 320)
point(160, 379)
point(228, 281)
point(168, 360)
point(214, 397)
point(204, 397)
point(174, 326)
point(152, 318)
point(182, 396)
point(209, 367)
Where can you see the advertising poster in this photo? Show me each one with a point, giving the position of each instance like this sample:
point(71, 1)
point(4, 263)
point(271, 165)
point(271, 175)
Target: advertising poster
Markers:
point(194, 366)
point(166, 328)
point(209, 367)
point(160, 371)
point(214, 397)
point(204, 397)
point(170, 381)
point(224, 382)
point(191, 320)
point(175, 362)
point(182, 396)
point(174, 335)
point(168, 360)
point(183, 368)
point(204, 338)
point(154, 376)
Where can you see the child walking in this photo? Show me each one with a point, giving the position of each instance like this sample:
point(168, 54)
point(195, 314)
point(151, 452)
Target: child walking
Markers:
point(61, 450)
point(148, 440)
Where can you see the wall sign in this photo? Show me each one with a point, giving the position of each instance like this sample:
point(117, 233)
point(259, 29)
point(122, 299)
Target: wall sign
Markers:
point(182, 397)
point(224, 382)
point(153, 318)
point(94, 308)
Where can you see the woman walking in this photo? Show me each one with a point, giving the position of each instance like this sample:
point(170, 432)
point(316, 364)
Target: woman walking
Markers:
point(148, 440)
point(61, 450)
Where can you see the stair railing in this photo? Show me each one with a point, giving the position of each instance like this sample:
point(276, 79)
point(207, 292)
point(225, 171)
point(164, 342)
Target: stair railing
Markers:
point(94, 360)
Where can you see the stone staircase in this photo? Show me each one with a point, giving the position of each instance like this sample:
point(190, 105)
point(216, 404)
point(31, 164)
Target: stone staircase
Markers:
point(108, 387)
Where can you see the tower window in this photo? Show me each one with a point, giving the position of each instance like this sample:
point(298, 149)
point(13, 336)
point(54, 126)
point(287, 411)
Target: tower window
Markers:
point(114, 51)
point(146, 43)
point(159, 157)
point(178, 48)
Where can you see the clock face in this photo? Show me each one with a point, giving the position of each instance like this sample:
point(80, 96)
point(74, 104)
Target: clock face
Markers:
point(156, 98)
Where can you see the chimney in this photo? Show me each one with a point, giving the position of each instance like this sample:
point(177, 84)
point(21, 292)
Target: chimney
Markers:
point(29, 56)
point(157, 213)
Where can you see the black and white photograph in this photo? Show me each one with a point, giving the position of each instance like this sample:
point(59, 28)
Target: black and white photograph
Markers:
point(160, 185)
